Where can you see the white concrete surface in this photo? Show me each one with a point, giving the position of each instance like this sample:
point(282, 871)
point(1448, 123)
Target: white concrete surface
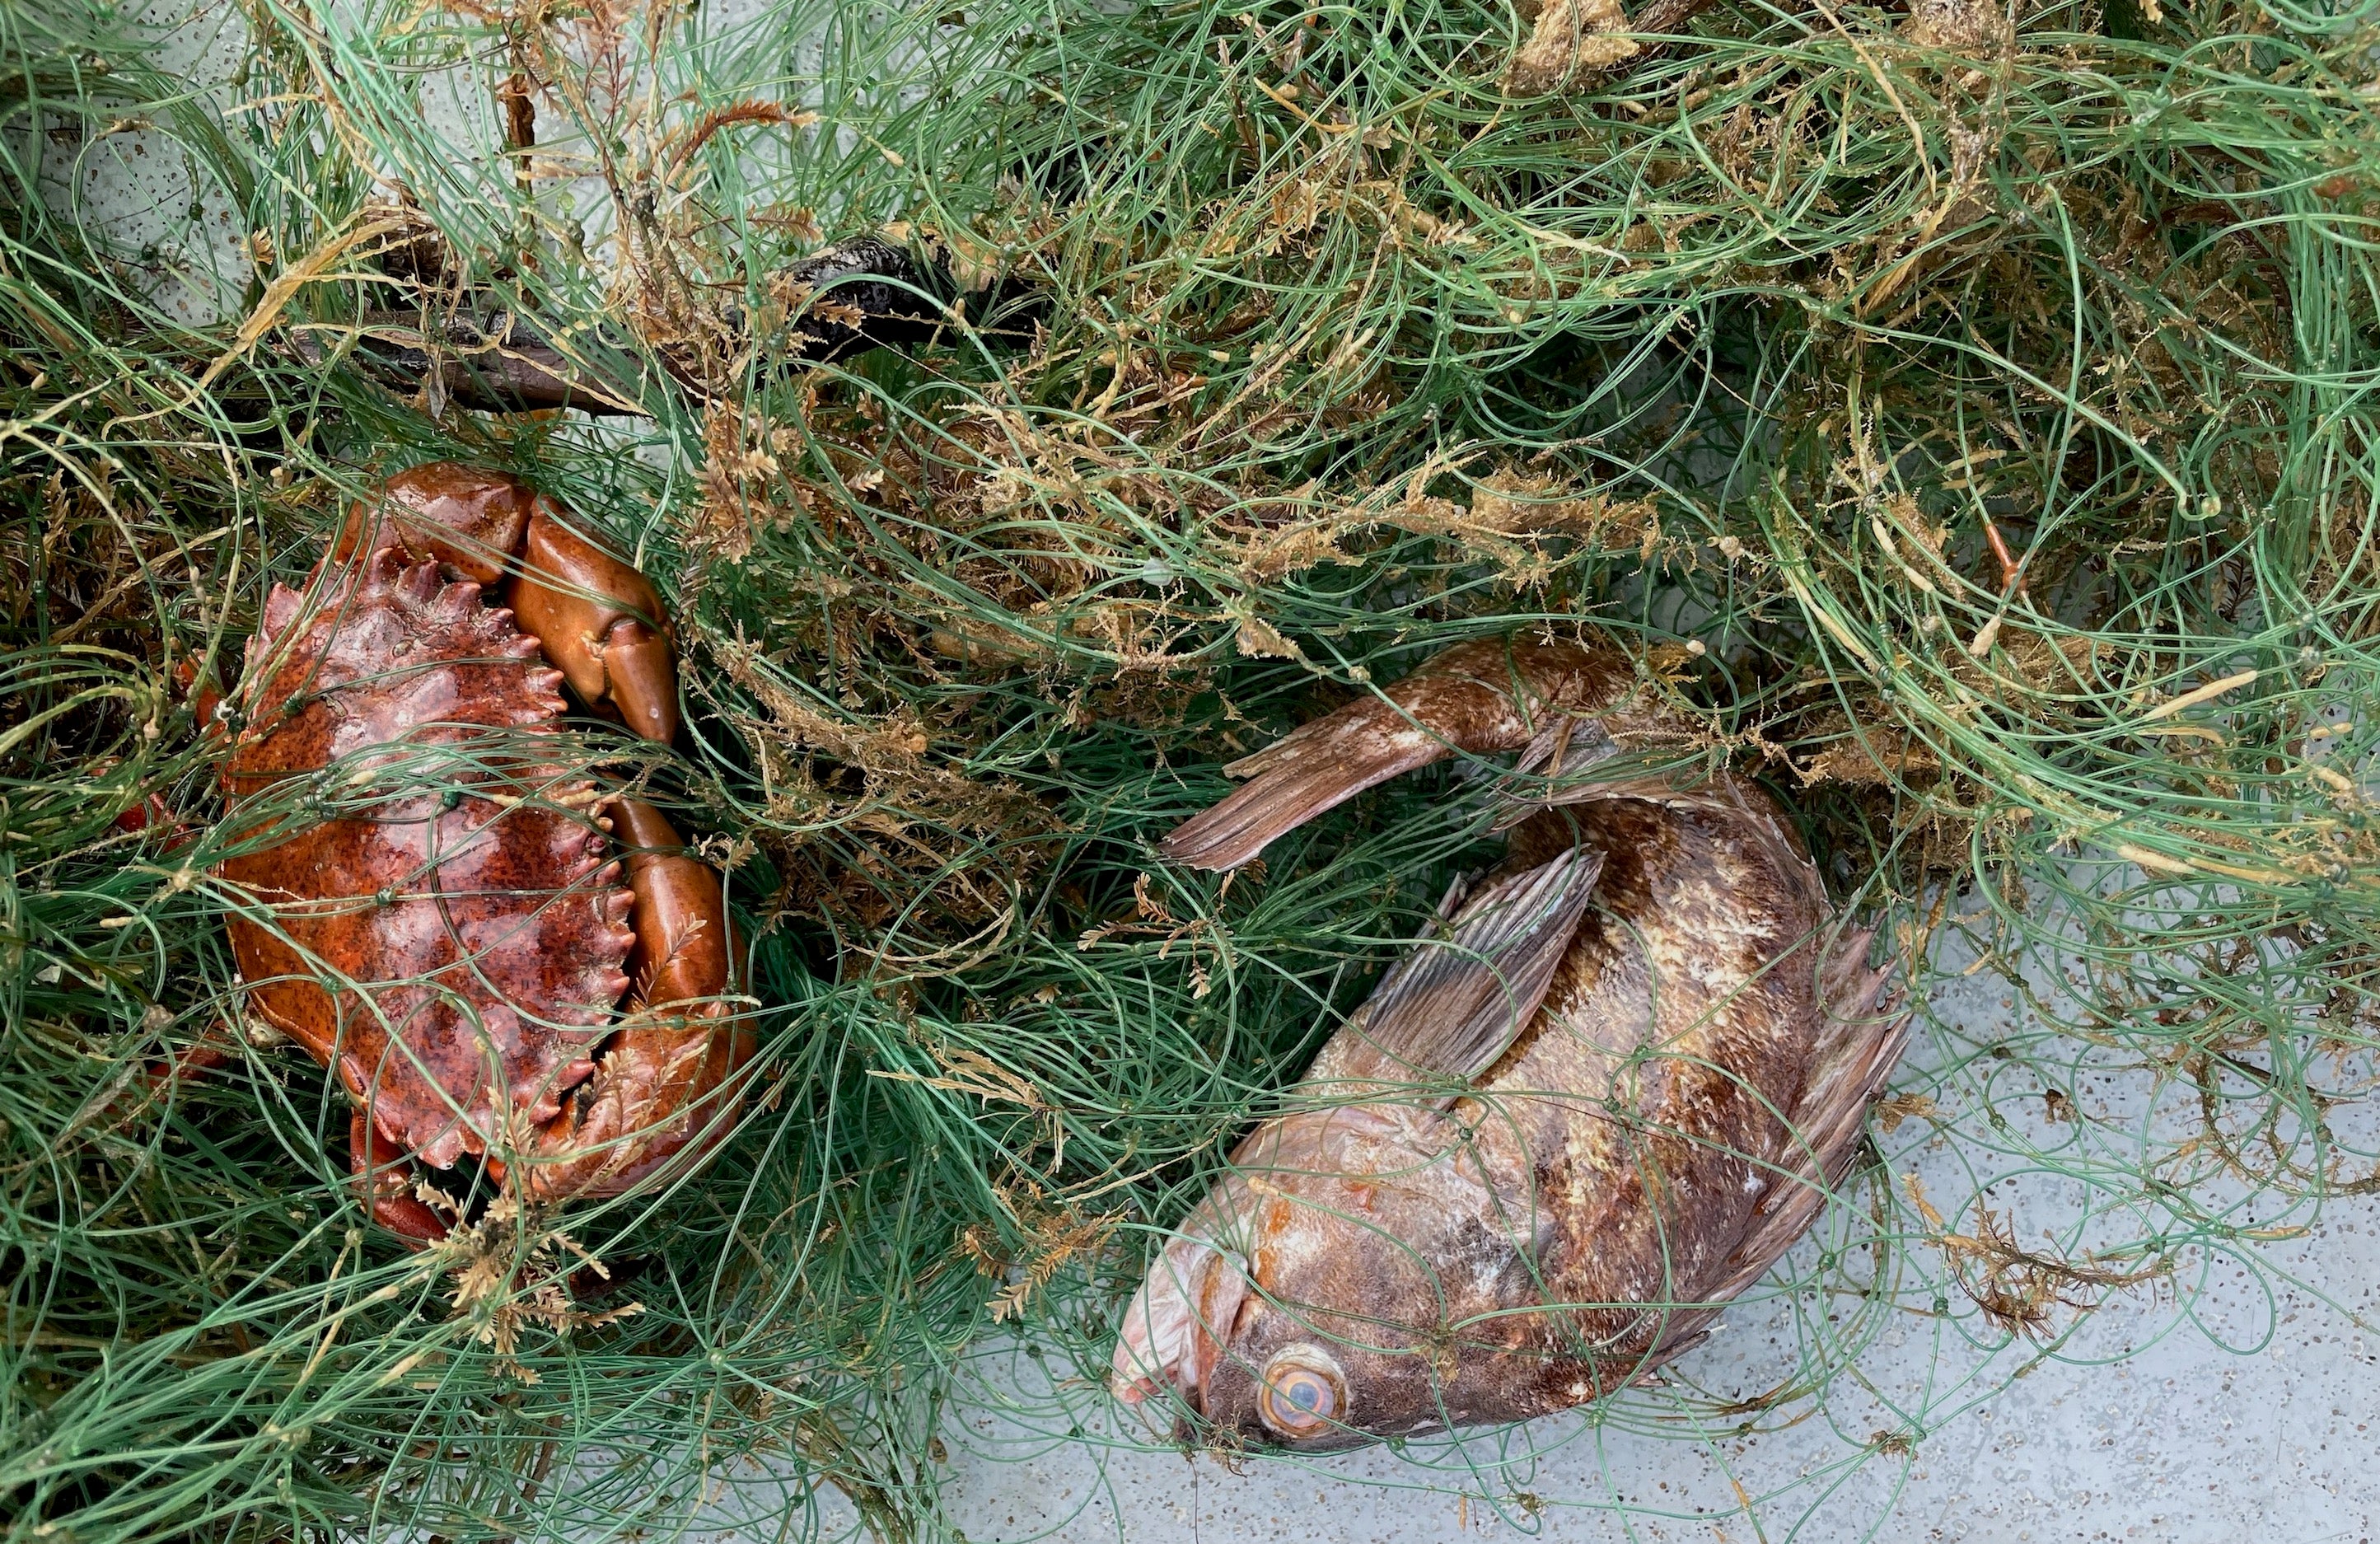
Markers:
point(2174, 1439)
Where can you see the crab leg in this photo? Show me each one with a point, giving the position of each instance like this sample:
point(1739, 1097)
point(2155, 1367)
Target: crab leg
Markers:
point(654, 1091)
point(1479, 699)
point(382, 1171)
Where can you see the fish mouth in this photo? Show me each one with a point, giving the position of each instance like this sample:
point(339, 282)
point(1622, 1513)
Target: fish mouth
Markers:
point(1174, 1331)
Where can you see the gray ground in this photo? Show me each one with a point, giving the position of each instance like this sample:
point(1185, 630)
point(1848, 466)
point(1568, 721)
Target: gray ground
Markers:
point(2175, 1438)
point(2182, 1442)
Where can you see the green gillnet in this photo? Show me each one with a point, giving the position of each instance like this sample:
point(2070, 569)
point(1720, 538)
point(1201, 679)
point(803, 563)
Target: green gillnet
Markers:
point(1962, 418)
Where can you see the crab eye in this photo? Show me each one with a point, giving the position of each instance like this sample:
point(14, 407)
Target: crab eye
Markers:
point(1303, 1393)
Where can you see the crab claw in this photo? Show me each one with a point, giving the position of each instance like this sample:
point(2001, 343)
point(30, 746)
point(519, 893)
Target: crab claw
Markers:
point(655, 1098)
point(642, 672)
point(600, 621)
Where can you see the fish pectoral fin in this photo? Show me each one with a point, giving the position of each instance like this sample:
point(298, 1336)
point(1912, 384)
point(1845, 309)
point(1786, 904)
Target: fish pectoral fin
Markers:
point(1452, 1006)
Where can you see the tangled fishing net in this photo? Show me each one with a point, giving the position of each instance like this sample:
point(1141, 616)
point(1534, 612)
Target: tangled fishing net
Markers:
point(1965, 417)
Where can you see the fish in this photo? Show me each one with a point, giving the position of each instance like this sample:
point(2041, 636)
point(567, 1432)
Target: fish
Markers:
point(1618, 1081)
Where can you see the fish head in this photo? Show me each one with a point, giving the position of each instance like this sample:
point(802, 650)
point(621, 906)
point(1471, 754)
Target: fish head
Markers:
point(1303, 1303)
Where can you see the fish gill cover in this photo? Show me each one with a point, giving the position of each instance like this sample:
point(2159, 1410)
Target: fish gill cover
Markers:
point(1963, 417)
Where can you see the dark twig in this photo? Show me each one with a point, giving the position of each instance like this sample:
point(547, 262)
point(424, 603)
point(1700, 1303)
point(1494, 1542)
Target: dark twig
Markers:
point(860, 295)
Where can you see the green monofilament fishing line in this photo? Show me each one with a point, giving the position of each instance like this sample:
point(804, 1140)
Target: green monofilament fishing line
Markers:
point(1965, 418)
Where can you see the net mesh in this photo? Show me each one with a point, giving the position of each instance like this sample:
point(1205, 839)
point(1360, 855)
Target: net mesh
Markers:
point(1962, 417)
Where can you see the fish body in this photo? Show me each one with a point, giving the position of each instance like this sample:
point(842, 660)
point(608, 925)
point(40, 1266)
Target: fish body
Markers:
point(1534, 1164)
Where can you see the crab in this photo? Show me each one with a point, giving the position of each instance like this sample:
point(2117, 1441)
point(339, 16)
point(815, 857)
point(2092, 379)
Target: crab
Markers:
point(512, 965)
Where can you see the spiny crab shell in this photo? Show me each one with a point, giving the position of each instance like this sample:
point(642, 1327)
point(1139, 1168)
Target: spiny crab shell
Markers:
point(484, 928)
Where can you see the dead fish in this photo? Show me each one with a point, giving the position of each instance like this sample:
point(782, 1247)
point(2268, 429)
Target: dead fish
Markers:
point(1531, 1168)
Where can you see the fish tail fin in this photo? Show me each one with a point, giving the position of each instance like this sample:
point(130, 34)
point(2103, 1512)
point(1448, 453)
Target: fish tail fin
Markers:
point(1479, 699)
point(1864, 1035)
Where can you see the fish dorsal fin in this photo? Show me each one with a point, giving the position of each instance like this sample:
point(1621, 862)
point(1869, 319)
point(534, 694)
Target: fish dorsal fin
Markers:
point(1452, 1006)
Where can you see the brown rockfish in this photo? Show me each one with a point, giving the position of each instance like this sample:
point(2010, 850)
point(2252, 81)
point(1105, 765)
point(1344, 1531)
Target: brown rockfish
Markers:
point(1601, 1101)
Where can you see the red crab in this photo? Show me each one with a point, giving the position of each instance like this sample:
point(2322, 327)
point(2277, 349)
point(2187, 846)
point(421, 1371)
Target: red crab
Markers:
point(501, 993)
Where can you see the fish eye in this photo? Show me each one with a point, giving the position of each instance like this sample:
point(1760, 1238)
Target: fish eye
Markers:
point(1303, 1393)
